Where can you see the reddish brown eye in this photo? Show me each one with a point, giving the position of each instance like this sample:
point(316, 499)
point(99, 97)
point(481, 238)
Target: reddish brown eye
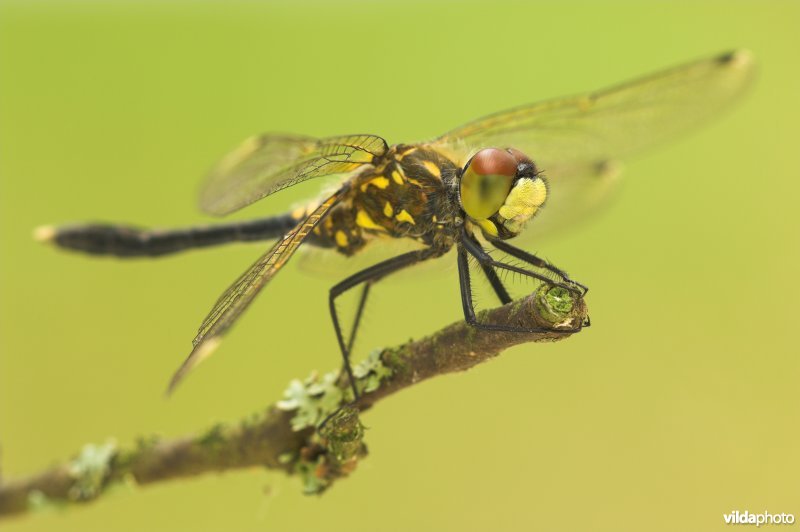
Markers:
point(492, 161)
point(486, 182)
point(519, 156)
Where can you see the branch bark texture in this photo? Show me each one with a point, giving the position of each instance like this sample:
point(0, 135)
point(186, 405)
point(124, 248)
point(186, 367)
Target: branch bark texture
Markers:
point(314, 432)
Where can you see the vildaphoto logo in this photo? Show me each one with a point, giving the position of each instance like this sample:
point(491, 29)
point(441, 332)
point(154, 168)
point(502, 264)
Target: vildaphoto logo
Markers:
point(765, 518)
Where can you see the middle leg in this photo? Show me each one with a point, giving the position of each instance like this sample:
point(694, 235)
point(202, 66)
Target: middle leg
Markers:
point(367, 277)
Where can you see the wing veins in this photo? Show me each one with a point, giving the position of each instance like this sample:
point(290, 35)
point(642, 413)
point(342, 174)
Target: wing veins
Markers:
point(235, 300)
point(269, 163)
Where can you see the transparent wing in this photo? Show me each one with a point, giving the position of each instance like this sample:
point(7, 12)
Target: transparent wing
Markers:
point(265, 164)
point(578, 141)
point(240, 294)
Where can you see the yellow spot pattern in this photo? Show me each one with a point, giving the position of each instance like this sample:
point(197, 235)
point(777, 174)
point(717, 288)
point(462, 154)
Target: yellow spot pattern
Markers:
point(388, 211)
point(488, 227)
point(363, 220)
point(406, 153)
point(398, 177)
point(380, 182)
point(403, 216)
point(432, 168)
point(341, 239)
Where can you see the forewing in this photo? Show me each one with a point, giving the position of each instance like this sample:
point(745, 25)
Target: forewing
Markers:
point(240, 294)
point(265, 164)
point(578, 141)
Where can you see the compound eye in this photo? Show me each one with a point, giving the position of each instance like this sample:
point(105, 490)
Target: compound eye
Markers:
point(519, 156)
point(486, 182)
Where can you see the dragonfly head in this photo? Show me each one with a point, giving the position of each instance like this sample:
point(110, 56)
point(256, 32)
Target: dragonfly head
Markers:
point(500, 190)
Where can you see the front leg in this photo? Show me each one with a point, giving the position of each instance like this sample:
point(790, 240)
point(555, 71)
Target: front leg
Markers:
point(468, 246)
point(533, 260)
point(472, 247)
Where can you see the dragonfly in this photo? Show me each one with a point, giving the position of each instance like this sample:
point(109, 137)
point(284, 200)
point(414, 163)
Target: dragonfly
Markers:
point(517, 173)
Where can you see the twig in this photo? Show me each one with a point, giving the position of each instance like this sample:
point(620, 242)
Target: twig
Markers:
point(307, 433)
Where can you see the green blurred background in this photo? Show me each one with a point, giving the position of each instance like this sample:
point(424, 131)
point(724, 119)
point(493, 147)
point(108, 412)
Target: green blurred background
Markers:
point(678, 405)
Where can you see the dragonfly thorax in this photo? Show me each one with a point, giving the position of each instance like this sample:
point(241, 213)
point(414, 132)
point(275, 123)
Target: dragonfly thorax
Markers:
point(500, 190)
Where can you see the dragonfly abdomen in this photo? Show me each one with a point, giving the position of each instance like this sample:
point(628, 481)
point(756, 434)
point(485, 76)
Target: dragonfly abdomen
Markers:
point(127, 241)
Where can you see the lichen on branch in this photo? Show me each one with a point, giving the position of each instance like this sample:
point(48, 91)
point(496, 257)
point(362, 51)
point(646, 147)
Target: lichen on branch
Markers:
point(314, 431)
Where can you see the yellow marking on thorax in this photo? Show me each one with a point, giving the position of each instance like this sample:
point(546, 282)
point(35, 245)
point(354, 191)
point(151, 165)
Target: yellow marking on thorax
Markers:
point(400, 177)
point(431, 167)
point(403, 216)
point(363, 220)
point(380, 182)
point(388, 211)
point(341, 239)
point(404, 154)
point(488, 227)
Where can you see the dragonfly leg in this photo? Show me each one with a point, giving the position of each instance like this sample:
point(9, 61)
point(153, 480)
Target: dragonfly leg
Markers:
point(367, 277)
point(469, 247)
point(362, 302)
point(533, 260)
point(472, 247)
point(497, 284)
point(351, 340)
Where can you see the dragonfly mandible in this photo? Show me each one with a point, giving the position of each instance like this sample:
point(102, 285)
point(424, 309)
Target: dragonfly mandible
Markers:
point(473, 189)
